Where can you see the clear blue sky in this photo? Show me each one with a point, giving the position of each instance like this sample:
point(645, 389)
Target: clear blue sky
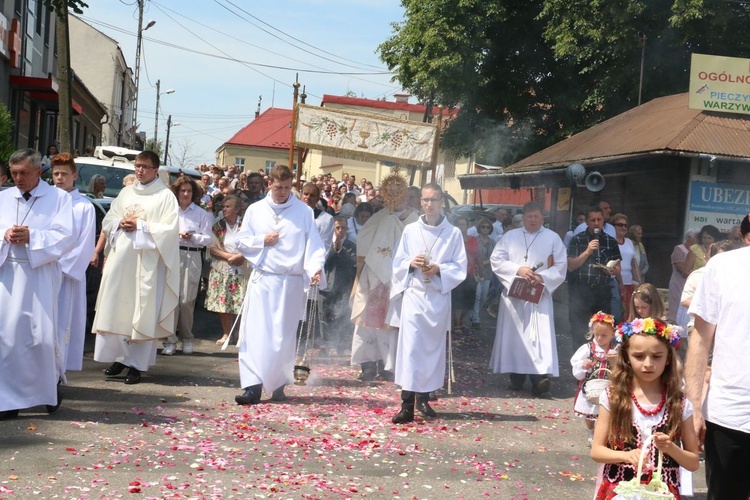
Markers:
point(215, 97)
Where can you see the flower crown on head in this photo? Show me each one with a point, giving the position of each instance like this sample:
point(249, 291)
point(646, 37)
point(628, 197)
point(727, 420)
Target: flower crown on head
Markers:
point(602, 317)
point(650, 326)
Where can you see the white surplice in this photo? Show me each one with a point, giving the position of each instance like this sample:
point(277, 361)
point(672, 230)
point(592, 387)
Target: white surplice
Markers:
point(30, 278)
point(426, 307)
point(141, 280)
point(376, 244)
point(71, 322)
point(276, 293)
point(525, 338)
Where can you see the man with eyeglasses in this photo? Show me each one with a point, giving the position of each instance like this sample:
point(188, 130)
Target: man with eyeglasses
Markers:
point(140, 284)
point(430, 261)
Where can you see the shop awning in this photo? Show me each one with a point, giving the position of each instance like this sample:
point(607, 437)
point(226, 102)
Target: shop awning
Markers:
point(42, 89)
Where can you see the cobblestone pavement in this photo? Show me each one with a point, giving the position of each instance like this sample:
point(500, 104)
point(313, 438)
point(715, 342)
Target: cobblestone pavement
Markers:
point(179, 434)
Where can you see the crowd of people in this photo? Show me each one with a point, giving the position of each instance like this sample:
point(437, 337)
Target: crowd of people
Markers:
point(392, 279)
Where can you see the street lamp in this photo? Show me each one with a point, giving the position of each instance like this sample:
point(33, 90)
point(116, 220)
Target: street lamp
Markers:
point(170, 124)
point(141, 29)
point(156, 120)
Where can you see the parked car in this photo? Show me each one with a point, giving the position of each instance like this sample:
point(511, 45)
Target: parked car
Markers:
point(114, 164)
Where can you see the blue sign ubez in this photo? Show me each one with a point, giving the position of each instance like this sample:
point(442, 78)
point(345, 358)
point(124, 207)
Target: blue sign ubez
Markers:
point(719, 198)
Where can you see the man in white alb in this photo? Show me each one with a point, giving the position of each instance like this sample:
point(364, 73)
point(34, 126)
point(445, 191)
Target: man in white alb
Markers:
point(430, 261)
point(36, 221)
point(72, 304)
point(373, 312)
point(525, 338)
point(279, 239)
point(140, 284)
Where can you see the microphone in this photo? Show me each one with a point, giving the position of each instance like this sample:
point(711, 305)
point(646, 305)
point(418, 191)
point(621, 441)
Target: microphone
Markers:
point(537, 266)
point(597, 235)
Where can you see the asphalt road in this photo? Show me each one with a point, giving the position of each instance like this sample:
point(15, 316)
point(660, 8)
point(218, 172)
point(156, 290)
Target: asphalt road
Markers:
point(179, 434)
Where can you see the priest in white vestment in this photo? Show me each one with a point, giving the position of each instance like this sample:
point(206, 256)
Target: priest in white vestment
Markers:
point(36, 221)
point(525, 338)
point(71, 330)
point(279, 239)
point(374, 314)
point(140, 284)
point(430, 261)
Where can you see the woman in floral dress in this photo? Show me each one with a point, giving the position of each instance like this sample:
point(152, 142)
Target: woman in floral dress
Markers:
point(229, 273)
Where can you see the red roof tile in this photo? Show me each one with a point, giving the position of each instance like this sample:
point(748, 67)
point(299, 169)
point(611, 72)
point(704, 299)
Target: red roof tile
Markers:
point(374, 103)
point(269, 130)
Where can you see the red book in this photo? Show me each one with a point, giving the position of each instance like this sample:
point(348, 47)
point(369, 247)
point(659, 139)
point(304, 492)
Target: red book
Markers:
point(522, 289)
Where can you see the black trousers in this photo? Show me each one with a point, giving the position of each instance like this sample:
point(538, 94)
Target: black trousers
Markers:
point(583, 301)
point(727, 457)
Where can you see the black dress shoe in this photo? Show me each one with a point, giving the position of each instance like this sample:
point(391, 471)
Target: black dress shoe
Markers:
point(278, 394)
point(251, 396)
point(8, 414)
point(540, 387)
point(134, 376)
point(405, 416)
point(425, 409)
point(53, 408)
point(115, 369)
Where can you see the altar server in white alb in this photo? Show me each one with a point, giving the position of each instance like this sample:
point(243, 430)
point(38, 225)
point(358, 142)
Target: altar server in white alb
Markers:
point(279, 239)
point(71, 331)
point(525, 338)
point(141, 280)
point(430, 261)
point(36, 221)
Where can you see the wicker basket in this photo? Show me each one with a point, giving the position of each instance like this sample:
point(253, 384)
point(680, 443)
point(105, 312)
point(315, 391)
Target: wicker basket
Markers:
point(656, 489)
point(593, 387)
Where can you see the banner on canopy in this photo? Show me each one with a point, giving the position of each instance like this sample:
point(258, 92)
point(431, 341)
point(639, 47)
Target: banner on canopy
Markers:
point(361, 136)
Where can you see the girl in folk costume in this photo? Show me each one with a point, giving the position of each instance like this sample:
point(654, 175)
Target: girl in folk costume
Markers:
point(646, 303)
point(645, 398)
point(591, 360)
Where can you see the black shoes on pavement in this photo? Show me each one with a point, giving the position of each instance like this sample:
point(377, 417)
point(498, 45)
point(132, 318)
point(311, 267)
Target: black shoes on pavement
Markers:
point(133, 376)
point(251, 396)
point(116, 368)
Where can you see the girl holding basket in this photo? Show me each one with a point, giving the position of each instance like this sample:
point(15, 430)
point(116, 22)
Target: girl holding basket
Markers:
point(645, 403)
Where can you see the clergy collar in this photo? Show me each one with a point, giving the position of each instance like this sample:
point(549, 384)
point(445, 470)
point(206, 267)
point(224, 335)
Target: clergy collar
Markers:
point(529, 232)
point(35, 191)
point(281, 205)
point(423, 218)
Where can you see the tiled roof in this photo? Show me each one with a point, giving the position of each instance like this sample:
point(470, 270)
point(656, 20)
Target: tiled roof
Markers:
point(663, 125)
point(269, 130)
point(376, 104)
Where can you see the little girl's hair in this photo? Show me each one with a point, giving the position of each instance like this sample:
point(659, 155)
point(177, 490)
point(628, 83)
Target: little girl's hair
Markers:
point(600, 317)
point(647, 293)
point(620, 399)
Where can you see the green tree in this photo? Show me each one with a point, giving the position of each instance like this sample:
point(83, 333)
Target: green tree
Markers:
point(6, 133)
point(157, 148)
point(64, 74)
point(528, 74)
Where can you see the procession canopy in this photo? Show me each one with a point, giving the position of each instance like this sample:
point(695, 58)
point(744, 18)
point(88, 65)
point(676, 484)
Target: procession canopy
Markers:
point(360, 136)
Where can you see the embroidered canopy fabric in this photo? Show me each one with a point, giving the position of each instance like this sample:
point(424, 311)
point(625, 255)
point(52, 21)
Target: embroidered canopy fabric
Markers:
point(364, 137)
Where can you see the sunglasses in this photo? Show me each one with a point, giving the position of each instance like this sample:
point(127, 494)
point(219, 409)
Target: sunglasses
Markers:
point(621, 224)
point(485, 227)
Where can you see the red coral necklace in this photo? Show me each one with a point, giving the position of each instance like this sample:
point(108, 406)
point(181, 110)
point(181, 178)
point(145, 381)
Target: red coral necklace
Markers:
point(656, 410)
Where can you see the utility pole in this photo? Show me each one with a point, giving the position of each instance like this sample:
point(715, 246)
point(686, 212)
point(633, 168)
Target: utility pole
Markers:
point(139, 41)
point(156, 117)
point(642, 37)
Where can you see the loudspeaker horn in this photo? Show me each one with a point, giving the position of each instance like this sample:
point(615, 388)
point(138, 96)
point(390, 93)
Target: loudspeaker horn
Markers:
point(594, 182)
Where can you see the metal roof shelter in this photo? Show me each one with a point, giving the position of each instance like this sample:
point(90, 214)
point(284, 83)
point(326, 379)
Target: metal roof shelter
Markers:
point(663, 126)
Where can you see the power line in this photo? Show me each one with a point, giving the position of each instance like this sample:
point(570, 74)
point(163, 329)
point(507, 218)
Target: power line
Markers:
point(290, 36)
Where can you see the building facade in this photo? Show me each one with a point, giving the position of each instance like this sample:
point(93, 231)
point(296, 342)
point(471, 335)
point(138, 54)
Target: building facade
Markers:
point(98, 60)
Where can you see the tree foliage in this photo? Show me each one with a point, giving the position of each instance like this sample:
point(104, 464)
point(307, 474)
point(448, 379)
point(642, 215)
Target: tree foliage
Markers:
point(6, 133)
point(527, 74)
point(59, 6)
